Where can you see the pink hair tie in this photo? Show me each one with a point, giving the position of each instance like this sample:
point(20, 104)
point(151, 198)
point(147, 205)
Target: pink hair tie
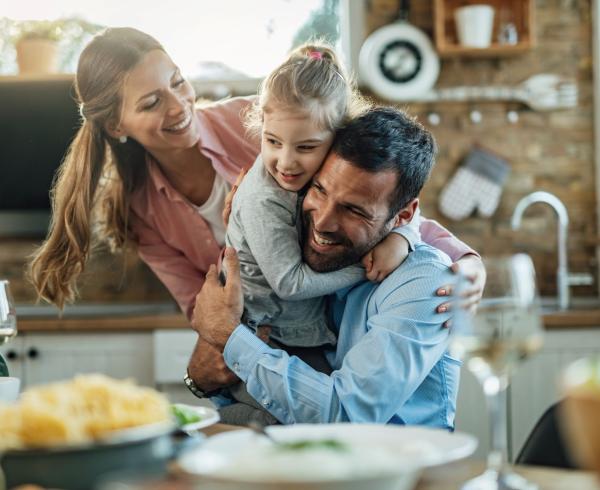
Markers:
point(316, 55)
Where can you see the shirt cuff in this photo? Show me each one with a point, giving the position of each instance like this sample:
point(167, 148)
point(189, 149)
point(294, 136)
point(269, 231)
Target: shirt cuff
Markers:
point(242, 351)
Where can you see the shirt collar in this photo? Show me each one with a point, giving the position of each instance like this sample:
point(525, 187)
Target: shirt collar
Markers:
point(209, 140)
point(160, 181)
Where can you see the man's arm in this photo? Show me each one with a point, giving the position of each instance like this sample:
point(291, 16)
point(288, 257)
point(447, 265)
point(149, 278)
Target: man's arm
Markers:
point(208, 369)
point(379, 373)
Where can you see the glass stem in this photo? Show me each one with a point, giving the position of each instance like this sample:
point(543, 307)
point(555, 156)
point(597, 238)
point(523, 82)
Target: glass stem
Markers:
point(495, 389)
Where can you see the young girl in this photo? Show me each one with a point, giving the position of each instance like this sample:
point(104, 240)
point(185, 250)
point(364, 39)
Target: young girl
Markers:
point(300, 106)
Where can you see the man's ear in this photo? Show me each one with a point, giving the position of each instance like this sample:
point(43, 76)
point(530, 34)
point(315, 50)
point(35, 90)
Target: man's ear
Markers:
point(405, 215)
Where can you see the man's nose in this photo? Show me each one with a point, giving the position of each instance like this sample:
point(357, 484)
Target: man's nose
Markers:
point(324, 218)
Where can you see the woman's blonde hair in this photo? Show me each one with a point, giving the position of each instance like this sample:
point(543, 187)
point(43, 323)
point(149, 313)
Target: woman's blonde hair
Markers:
point(98, 174)
point(312, 79)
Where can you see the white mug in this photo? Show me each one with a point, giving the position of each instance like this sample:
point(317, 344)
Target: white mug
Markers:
point(9, 389)
point(474, 25)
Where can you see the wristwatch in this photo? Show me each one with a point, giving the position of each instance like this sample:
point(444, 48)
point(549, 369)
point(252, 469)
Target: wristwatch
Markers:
point(196, 390)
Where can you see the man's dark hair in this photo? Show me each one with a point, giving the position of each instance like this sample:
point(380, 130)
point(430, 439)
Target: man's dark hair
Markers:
point(383, 139)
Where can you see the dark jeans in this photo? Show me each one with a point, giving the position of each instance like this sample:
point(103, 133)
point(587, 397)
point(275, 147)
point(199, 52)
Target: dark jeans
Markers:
point(246, 409)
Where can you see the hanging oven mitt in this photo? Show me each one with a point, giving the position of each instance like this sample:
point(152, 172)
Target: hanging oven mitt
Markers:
point(477, 185)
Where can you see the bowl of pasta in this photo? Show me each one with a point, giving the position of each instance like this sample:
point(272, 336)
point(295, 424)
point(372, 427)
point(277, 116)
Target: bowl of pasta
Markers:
point(70, 434)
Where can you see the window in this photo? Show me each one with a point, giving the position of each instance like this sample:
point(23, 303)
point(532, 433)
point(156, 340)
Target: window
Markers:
point(209, 40)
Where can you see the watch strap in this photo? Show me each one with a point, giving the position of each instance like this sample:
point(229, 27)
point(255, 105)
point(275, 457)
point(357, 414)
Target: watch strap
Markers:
point(196, 390)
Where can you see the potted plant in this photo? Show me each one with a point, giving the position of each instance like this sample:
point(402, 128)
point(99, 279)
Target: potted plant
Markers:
point(51, 46)
point(37, 47)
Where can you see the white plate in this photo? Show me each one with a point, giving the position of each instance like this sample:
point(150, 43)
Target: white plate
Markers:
point(209, 416)
point(412, 448)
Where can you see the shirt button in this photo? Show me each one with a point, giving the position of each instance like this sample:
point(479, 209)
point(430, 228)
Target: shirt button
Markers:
point(266, 403)
point(236, 366)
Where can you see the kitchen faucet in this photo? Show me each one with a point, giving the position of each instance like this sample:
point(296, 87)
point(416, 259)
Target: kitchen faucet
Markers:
point(563, 278)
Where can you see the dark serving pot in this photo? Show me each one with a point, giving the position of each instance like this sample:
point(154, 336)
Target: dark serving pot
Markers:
point(144, 449)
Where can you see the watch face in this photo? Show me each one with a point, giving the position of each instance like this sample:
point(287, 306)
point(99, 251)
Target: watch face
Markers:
point(400, 61)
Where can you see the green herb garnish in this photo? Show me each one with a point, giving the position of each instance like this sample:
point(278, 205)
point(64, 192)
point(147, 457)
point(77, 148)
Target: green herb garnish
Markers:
point(185, 415)
point(313, 444)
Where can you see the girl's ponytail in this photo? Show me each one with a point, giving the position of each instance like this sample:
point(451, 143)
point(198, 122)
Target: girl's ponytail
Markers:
point(311, 79)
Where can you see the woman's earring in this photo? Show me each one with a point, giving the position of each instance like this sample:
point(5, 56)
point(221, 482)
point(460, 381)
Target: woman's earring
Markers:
point(123, 139)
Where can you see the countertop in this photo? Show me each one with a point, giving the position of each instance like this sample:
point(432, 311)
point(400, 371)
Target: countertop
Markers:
point(101, 317)
point(169, 318)
point(122, 323)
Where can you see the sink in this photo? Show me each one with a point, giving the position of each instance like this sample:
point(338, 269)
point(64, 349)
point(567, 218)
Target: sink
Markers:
point(550, 305)
point(91, 310)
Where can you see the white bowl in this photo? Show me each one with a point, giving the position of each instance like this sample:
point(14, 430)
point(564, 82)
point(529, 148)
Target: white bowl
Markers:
point(377, 457)
point(9, 389)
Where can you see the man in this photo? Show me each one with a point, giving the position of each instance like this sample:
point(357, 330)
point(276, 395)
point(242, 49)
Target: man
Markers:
point(390, 364)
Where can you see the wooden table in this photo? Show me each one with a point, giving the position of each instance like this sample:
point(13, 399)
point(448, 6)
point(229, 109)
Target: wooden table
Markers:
point(451, 476)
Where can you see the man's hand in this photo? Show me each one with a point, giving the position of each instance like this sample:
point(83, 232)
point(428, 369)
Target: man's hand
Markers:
point(208, 369)
point(218, 309)
point(470, 266)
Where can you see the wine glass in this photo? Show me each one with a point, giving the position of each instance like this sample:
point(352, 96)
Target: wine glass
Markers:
point(505, 331)
point(8, 314)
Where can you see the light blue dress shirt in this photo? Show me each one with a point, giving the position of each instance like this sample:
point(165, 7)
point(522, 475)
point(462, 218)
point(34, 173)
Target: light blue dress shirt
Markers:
point(391, 363)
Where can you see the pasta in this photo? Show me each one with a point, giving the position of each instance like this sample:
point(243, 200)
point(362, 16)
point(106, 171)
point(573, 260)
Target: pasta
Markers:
point(81, 410)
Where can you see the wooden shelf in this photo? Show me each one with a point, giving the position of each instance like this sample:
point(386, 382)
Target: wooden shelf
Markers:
point(519, 12)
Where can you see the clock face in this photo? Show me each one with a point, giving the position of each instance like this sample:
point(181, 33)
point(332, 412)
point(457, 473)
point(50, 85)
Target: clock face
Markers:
point(400, 61)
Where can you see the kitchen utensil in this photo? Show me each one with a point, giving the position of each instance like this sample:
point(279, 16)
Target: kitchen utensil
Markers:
point(260, 429)
point(398, 61)
point(407, 449)
point(474, 25)
point(543, 92)
point(144, 449)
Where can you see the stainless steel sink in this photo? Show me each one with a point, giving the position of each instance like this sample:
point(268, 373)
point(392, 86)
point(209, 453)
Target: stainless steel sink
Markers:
point(96, 310)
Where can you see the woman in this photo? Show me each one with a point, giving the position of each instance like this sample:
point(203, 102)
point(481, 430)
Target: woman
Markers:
point(148, 167)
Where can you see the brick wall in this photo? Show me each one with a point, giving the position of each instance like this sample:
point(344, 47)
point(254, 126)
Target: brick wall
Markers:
point(551, 151)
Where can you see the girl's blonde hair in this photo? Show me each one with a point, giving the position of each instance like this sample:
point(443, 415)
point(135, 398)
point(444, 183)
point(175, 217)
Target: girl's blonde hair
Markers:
point(311, 79)
point(98, 174)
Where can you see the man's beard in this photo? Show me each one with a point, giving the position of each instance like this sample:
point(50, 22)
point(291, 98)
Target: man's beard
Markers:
point(350, 253)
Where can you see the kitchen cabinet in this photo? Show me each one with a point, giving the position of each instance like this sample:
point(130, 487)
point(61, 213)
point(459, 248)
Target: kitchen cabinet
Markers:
point(45, 357)
point(172, 350)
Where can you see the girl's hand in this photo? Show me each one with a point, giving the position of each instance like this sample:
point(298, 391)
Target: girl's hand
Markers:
point(385, 257)
point(470, 266)
point(231, 195)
